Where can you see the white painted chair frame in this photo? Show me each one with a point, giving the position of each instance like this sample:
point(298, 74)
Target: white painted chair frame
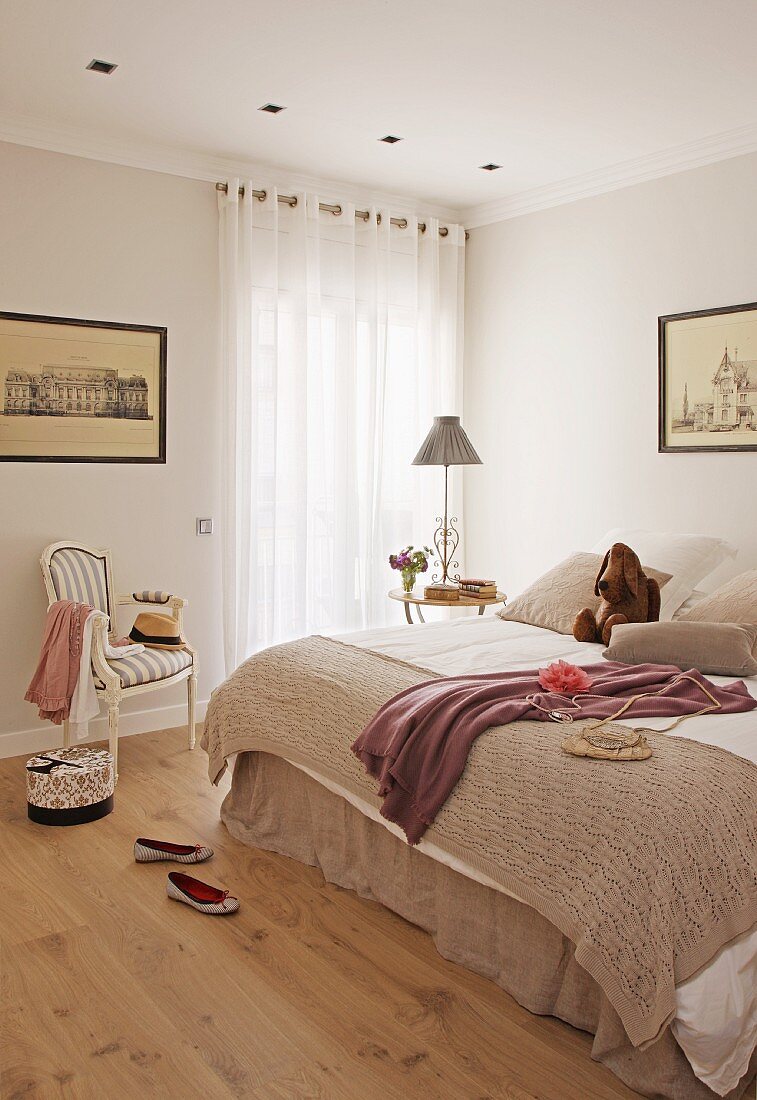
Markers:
point(114, 691)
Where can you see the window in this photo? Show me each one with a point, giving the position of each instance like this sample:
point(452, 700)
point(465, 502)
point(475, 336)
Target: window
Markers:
point(284, 530)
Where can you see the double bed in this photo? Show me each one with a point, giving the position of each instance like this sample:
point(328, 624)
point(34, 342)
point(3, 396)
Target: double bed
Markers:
point(293, 793)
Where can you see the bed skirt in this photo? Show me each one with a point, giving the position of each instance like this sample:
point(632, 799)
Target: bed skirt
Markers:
point(275, 806)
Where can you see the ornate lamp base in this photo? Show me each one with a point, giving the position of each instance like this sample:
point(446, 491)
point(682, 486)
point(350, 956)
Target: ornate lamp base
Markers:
point(446, 539)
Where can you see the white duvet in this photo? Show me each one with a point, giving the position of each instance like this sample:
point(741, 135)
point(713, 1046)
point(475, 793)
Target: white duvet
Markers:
point(716, 1020)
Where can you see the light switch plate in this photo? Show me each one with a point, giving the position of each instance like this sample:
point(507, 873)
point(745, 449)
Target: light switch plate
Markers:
point(204, 526)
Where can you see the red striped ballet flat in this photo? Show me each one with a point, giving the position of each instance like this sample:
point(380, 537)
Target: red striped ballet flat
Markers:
point(150, 851)
point(203, 898)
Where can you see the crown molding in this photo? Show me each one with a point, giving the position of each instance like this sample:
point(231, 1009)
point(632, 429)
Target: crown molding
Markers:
point(680, 158)
point(190, 164)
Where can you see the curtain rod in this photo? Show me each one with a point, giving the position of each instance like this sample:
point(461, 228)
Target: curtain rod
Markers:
point(335, 209)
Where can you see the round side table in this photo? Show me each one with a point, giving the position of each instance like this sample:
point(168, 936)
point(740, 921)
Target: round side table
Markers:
point(418, 600)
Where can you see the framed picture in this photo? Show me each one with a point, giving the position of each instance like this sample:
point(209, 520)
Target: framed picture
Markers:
point(81, 391)
point(708, 380)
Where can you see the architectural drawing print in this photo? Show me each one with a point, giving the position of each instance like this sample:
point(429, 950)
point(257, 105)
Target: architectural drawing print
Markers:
point(732, 404)
point(707, 362)
point(75, 390)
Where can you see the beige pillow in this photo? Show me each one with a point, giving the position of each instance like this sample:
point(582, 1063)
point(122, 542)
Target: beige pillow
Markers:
point(554, 600)
point(725, 649)
point(734, 602)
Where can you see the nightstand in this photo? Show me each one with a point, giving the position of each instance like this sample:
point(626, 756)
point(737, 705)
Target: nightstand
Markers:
point(418, 600)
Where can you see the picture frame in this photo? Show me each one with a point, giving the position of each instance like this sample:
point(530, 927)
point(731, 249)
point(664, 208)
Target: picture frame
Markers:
point(707, 363)
point(74, 390)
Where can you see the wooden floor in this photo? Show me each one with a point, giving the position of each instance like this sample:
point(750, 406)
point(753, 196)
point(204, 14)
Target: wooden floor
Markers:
point(110, 990)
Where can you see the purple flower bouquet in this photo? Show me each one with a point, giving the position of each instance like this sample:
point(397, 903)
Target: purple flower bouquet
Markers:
point(410, 563)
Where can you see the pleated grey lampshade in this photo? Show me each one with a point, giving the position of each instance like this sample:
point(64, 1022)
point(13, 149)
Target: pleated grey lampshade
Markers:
point(447, 445)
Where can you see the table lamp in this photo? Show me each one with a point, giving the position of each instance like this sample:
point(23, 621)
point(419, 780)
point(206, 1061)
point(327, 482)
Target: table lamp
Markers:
point(446, 445)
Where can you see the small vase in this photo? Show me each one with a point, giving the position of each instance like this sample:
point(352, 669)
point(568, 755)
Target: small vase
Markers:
point(408, 580)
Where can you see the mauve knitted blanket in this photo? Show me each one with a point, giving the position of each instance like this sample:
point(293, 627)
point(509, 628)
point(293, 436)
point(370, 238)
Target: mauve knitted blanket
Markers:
point(418, 743)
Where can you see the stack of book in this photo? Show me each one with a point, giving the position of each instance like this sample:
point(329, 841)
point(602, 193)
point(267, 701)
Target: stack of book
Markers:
point(478, 588)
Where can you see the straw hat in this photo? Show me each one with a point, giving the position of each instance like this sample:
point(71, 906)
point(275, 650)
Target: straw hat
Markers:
point(156, 631)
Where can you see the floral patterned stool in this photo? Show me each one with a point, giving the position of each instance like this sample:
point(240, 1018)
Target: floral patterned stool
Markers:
point(69, 786)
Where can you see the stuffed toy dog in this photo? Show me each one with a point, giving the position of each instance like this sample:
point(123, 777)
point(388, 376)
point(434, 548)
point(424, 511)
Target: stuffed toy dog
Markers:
point(628, 596)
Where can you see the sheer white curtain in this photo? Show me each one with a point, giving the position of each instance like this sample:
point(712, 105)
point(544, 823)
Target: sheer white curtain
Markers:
point(342, 338)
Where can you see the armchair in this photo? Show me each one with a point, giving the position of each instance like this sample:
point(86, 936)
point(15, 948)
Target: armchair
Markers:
point(73, 571)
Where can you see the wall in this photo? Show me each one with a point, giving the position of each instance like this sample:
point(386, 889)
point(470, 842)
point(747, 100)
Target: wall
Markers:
point(85, 239)
point(561, 370)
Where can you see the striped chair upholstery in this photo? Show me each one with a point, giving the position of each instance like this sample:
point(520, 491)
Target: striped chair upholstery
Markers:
point(80, 576)
point(149, 666)
point(151, 596)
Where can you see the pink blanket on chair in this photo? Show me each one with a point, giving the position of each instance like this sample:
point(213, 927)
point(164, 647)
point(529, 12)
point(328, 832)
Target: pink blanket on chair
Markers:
point(418, 743)
point(57, 673)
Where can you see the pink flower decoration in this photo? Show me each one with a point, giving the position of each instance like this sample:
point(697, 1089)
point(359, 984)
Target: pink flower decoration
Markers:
point(563, 678)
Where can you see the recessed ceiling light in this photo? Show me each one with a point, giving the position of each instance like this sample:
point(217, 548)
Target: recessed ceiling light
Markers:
point(390, 139)
point(106, 67)
point(490, 167)
point(271, 108)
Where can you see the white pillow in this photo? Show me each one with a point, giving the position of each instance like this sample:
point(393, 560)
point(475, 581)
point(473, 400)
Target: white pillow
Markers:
point(688, 605)
point(688, 559)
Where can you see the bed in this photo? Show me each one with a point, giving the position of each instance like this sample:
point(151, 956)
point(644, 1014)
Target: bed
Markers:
point(297, 803)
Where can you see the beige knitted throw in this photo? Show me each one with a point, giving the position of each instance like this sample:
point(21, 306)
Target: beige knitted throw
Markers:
point(649, 868)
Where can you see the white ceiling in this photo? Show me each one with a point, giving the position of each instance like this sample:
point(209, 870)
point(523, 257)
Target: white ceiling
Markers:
point(549, 89)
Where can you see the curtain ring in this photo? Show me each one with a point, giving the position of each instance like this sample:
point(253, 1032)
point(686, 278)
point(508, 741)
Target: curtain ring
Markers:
point(443, 231)
point(402, 223)
point(422, 226)
point(336, 211)
point(261, 196)
point(378, 218)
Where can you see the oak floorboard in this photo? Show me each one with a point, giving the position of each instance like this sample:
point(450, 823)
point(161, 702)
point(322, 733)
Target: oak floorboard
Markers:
point(428, 1000)
point(109, 989)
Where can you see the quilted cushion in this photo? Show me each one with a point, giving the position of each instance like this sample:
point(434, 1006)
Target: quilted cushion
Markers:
point(149, 666)
point(554, 600)
point(734, 602)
